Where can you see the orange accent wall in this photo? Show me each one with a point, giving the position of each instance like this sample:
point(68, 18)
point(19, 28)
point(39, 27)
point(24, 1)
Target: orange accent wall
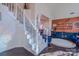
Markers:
point(65, 25)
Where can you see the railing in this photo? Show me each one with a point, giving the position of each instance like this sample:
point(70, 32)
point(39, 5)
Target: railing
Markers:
point(36, 39)
point(41, 41)
point(29, 30)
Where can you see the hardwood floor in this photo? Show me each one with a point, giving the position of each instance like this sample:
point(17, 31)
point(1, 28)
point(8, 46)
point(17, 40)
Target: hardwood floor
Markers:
point(54, 48)
point(20, 51)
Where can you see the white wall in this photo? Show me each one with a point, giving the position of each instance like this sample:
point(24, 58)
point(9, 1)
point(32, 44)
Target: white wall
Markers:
point(58, 10)
point(63, 10)
point(7, 30)
point(45, 9)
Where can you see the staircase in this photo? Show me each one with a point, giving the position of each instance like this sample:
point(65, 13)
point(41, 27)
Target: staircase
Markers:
point(35, 40)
